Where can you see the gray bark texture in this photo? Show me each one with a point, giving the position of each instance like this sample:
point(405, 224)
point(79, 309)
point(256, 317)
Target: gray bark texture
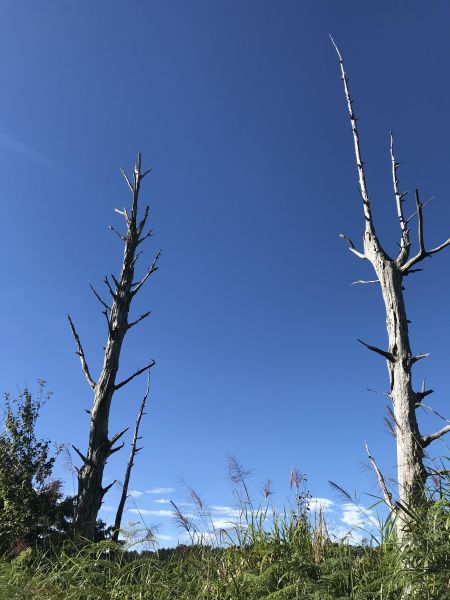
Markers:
point(121, 291)
point(390, 272)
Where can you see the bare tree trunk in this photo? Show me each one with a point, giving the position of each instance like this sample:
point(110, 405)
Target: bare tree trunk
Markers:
point(390, 273)
point(130, 464)
point(122, 291)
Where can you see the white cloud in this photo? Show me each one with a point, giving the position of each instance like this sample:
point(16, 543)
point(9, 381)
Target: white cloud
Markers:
point(324, 504)
point(161, 490)
point(223, 524)
point(135, 494)
point(227, 511)
point(162, 501)
point(356, 516)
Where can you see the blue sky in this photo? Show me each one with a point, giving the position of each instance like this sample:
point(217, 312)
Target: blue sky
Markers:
point(239, 107)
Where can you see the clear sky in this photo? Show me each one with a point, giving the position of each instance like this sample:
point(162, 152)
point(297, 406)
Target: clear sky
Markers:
point(239, 106)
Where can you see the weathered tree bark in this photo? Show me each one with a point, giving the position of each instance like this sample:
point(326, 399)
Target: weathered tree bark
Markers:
point(130, 464)
point(400, 359)
point(122, 291)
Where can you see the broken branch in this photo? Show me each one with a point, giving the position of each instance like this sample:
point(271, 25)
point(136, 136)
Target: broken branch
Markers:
point(418, 357)
point(119, 235)
point(386, 493)
point(427, 439)
point(99, 298)
point(384, 353)
point(81, 455)
point(151, 270)
point(399, 199)
point(362, 281)
point(422, 253)
point(135, 374)
point(128, 182)
point(141, 318)
point(351, 246)
point(108, 285)
point(80, 353)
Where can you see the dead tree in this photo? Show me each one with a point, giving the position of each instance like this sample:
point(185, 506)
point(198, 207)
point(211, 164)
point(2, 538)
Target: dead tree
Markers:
point(134, 450)
point(121, 291)
point(390, 273)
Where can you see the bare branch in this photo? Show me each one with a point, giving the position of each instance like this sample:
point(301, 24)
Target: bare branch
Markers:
point(388, 394)
point(145, 173)
point(410, 271)
point(351, 246)
point(144, 220)
point(119, 447)
point(80, 353)
point(386, 493)
point(128, 182)
point(135, 258)
point(116, 283)
point(135, 374)
point(421, 395)
point(108, 487)
point(359, 161)
point(141, 318)
point(99, 298)
point(415, 212)
point(418, 357)
point(119, 235)
point(81, 455)
point(419, 205)
point(422, 253)
point(108, 285)
point(427, 439)
point(117, 436)
point(435, 412)
point(108, 322)
point(151, 270)
point(134, 451)
point(399, 199)
point(390, 357)
point(362, 281)
point(147, 235)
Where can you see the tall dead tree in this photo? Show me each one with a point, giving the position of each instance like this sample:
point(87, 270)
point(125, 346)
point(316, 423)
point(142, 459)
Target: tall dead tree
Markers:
point(390, 272)
point(134, 451)
point(121, 290)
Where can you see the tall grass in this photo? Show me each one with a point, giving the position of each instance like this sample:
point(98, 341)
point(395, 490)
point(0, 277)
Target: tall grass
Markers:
point(264, 554)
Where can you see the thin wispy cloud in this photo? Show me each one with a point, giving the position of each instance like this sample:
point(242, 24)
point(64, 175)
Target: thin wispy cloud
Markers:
point(223, 524)
point(135, 494)
point(225, 511)
point(160, 512)
point(162, 501)
point(34, 155)
point(161, 490)
point(356, 516)
point(324, 504)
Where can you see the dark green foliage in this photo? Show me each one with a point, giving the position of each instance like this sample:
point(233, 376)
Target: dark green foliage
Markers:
point(31, 503)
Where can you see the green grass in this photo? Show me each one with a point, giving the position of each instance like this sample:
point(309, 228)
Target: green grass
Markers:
point(268, 556)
